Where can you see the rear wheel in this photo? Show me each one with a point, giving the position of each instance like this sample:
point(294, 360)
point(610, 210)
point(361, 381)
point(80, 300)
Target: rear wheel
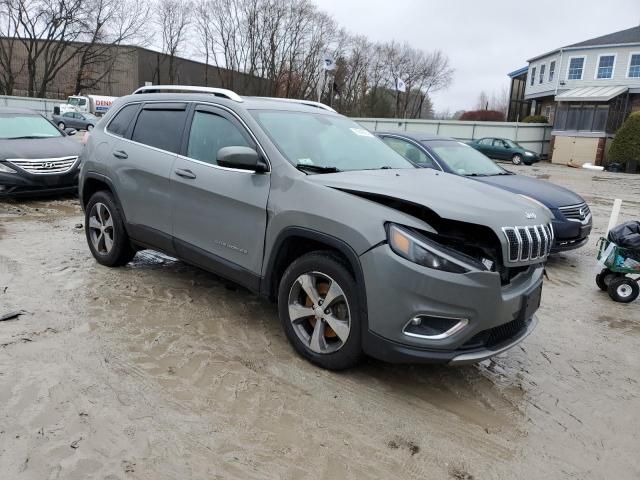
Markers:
point(623, 290)
point(603, 279)
point(516, 159)
point(61, 125)
point(320, 312)
point(106, 235)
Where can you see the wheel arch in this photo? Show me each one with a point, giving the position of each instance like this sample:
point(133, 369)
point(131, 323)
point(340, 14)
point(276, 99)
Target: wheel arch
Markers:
point(95, 182)
point(293, 242)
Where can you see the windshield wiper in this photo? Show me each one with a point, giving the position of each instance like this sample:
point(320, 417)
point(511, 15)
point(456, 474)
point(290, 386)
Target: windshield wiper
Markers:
point(475, 175)
point(316, 168)
point(27, 137)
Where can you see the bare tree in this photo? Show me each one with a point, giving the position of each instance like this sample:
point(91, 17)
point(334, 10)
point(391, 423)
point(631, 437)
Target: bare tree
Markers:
point(483, 101)
point(108, 25)
point(173, 18)
point(47, 30)
point(10, 64)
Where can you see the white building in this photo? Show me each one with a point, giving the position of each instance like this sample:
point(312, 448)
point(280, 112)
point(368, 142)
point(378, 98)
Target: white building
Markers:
point(586, 90)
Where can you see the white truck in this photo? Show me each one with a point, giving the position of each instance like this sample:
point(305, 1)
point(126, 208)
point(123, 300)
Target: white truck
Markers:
point(95, 104)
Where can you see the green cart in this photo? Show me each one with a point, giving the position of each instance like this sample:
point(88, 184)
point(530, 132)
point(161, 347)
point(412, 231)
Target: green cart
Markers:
point(618, 264)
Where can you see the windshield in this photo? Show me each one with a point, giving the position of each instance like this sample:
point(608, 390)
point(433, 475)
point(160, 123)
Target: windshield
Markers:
point(26, 126)
point(327, 141)
point(76, 101)
point(512, 144)
point(463, 159)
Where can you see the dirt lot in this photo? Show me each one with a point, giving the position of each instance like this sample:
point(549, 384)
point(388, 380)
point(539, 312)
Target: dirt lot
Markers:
point(159, 371)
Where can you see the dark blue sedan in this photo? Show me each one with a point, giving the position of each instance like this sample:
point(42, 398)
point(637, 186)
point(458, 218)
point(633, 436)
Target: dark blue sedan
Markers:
point(572, 216)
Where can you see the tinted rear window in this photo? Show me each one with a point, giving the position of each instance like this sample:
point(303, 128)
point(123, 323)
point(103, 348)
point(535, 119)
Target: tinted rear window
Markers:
point(120, 124)
point(160, 128)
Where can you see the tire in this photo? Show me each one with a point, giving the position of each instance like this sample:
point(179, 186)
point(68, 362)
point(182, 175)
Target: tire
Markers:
point(603, 279)
point(105, 232)
point(89, 128)
point(516, 159)
point(61, 125)
point(339, 345)
point(623, 290)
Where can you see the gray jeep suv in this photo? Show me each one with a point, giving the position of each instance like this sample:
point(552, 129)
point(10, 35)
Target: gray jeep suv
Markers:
point(362, 252)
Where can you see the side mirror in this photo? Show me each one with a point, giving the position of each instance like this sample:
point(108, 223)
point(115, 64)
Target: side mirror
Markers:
point(243, 158)
point(70, 131)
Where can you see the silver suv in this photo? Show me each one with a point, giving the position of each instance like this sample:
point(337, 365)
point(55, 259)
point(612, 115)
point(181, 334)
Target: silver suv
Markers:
point(363, 253)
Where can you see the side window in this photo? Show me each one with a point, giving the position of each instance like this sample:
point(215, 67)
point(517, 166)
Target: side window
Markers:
point(486, 141)
point(68, 115)
point(498, 143)
point(120, 123)
point(160, 127)
point(409, 151)
point(209, 133)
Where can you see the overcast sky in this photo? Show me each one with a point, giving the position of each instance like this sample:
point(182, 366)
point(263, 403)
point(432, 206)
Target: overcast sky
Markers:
point(484, 39)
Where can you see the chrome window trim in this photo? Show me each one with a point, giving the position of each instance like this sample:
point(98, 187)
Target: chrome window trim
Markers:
point(462, 323)
point(195, 102)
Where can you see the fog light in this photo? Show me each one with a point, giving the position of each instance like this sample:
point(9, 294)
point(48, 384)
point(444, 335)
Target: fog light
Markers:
point(434, 328)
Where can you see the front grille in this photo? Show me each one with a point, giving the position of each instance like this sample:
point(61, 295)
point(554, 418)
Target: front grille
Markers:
point(44, 166)
point(528, 243)
point(496, 335)
point(576, 213)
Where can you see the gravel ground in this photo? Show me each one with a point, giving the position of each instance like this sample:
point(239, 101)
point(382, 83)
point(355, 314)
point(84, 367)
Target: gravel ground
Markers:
point(161, 371)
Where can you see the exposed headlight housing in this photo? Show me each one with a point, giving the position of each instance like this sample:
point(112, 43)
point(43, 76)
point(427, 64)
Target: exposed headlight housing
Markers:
point(425, 252)
point(4, 168)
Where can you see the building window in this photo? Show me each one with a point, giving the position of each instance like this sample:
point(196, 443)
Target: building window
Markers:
point(576, 67)
point(606, 64)
point(542, 69)
point(552, 70)
point(547, 112)
point(634, 65)
point(533, 76)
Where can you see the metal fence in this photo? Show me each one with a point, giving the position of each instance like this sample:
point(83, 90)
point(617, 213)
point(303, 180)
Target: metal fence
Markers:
point(533, 136)
point(41, 105)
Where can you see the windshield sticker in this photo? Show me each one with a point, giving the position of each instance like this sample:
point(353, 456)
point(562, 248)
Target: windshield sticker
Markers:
point(362, 132)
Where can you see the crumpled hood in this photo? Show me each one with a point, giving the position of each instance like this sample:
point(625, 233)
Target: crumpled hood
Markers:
point(449, 196)
point(553, 196)
point(39, 148)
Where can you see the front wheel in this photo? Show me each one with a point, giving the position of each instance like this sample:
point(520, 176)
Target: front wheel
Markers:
point(516, 159)
point(89, 128)
point(106, 235)
point(320, 311)
point(623, 290)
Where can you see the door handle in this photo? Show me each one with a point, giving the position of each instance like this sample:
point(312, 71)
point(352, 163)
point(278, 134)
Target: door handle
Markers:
point(120, 154)
point(184, 173)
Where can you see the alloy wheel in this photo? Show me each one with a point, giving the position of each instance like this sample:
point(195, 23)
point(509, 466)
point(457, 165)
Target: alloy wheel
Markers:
point(517, 159)
point(319, 312)
point(101, 229)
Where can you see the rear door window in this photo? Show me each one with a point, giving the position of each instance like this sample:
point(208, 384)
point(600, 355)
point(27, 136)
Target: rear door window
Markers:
point(161, 126)
point(120, 123)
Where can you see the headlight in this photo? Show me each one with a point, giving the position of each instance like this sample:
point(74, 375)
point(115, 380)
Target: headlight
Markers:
point(421, 250)
point(528, 154)
point(6, 169)
point(538, 203)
